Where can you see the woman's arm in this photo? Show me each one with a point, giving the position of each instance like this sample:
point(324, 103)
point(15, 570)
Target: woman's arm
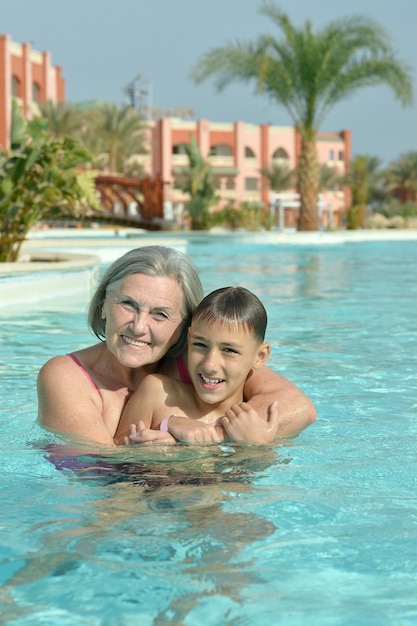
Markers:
point(67, 402)
point(295, 410)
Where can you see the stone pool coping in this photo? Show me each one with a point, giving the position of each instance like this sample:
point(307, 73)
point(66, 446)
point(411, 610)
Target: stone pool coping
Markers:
point(60, 262)
point(43, 261)
point(45, 275)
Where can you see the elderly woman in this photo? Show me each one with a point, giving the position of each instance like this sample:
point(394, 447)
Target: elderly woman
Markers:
point(141, 312)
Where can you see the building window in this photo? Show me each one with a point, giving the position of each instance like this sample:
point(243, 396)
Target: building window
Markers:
point(221, 149)
point(280, 153)
point(179, 148)
point(15, 87)
point(251, 184)
point(249, 153)
point(36, 91)
point(281, 157)
point(230, 184)
point(331, 155)
point(341, 155)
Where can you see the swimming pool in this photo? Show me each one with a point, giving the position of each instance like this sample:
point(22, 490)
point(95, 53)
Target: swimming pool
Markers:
point(321, 530)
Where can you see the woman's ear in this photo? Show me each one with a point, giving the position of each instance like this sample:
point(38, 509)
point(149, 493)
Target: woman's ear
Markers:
point(263, 355)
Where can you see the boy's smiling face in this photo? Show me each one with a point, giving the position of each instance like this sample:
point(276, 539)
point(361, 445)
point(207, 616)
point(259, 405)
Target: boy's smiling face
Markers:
point(220, 357)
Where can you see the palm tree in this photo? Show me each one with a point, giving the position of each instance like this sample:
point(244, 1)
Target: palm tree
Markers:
point(401, 176)
point(110, 133)
point(308, 72)
point(120, 132)
point(364, 178)
point(329, 178)
point(279, 177)
point(197, 180)
point(63, 119)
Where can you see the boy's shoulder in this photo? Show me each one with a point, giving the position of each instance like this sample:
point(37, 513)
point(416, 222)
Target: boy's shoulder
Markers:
point(155, 379)
point(160, 381)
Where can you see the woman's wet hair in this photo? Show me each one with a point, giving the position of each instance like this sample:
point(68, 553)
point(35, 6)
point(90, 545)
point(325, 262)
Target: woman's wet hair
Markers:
point(158, 261)
point(234, 305)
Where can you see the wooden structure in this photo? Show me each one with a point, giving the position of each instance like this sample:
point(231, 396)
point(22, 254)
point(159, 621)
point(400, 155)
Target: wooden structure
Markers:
point(131, 201)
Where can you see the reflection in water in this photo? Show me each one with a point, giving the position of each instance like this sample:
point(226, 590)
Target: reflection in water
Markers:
point(330, 534)
point(168, 522)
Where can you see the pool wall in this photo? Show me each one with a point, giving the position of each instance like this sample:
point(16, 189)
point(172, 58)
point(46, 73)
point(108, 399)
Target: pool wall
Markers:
point(46, 275)
point(60, 262)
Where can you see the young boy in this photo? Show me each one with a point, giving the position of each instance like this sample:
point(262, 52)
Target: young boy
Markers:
point(225, 342)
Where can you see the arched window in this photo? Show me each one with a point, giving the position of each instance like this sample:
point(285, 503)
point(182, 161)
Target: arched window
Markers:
point(280, 153)
point(36, 92)
point(15, 87)
point(221, 149)
point(249, 153)
point(179, 148)
point(281, 157)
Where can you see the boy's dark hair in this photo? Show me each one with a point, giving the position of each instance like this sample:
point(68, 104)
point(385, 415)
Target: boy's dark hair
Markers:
point(234, 304)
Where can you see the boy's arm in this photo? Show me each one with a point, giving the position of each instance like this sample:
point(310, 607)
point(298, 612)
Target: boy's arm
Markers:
point(296, 411)
point(189, 430)
point(141, 407)
point(140, 434)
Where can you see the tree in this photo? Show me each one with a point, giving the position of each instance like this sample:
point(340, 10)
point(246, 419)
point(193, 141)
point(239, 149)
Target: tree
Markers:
point(198, 181)
point(329, 178)
point(37, 175)
point(401, 176)
point(279, 177)
point(112, 134)
point(115, 132)
point(63, 119)
point(308, 72)
point(364, 178)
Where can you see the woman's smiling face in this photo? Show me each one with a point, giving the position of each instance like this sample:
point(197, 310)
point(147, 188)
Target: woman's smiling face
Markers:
point(143, 317)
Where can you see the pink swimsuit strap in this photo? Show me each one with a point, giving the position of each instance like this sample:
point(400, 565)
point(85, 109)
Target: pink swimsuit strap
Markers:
point(74, 358)
point(182, 368)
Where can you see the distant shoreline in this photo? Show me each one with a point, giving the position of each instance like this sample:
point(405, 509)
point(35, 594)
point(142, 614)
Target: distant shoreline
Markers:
point(114, 236)
point(60, 262)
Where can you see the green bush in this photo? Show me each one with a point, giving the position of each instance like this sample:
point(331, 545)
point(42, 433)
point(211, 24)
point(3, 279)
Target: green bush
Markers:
point(37, 175)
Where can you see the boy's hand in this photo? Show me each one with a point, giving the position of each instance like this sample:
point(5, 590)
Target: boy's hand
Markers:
point(140, 434)
point(189, 430)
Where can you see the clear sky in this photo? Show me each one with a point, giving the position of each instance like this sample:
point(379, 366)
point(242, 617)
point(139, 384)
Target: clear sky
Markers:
point(102, 45)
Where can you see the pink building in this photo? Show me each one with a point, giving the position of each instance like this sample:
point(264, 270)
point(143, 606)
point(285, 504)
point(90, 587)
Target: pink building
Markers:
point(237, 151)
point(29, 77)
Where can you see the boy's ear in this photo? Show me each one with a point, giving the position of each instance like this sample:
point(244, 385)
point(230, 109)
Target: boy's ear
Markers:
point(263, 355)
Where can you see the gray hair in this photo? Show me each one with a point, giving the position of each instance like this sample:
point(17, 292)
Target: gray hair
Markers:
point(151, 261)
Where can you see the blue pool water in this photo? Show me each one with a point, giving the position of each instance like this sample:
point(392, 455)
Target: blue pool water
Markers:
point(321, 530)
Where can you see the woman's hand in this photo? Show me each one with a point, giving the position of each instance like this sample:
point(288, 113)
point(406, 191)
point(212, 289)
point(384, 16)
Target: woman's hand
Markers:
point(243, 423)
